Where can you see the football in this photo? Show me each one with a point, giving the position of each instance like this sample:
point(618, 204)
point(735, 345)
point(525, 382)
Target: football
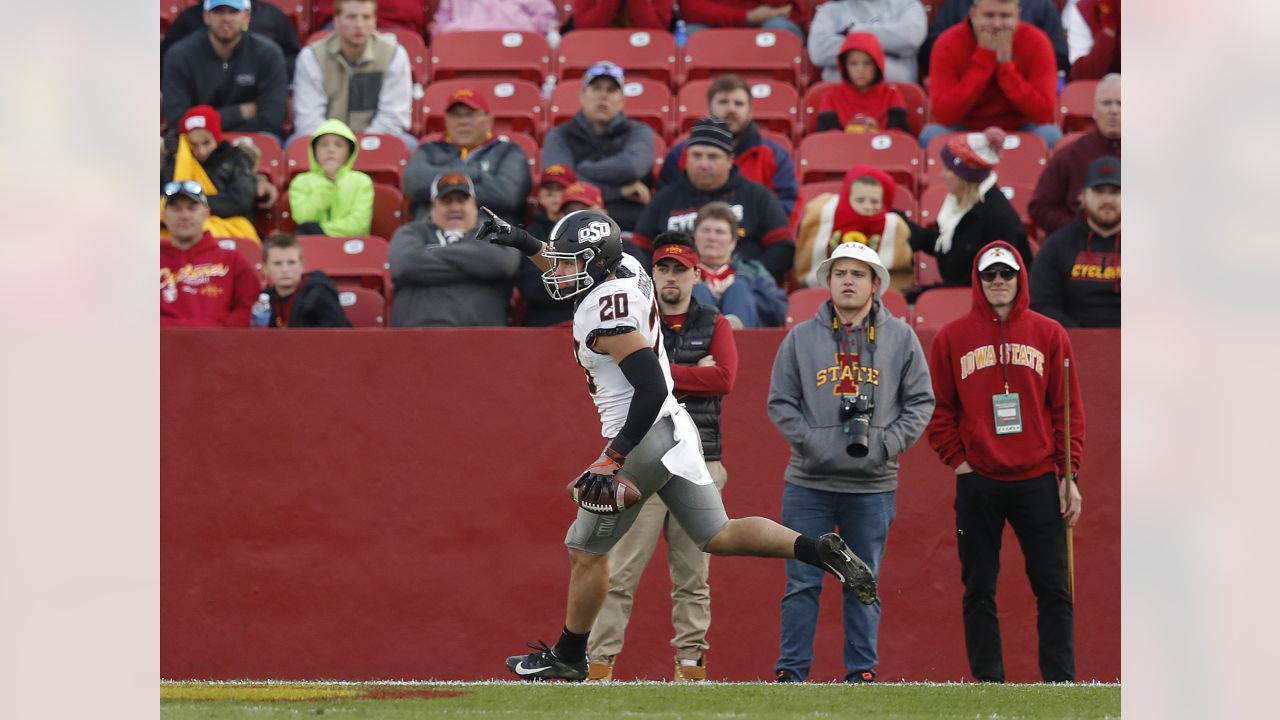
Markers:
point(625, 495)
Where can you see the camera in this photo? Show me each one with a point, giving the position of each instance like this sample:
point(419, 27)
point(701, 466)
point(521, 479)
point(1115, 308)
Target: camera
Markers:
point(855, 415)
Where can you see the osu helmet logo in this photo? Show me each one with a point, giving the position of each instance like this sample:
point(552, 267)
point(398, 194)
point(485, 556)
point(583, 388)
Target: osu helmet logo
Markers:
point(593, 231)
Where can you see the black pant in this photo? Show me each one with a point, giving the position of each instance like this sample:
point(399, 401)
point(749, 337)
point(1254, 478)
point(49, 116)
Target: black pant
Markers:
point(1031, 507)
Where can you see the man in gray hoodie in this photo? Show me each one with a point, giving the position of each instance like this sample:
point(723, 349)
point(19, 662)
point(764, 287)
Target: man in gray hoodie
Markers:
point(850, 391)
point(443, 276)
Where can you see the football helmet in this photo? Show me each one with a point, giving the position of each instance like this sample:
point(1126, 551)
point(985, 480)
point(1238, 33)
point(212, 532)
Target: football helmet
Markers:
point(589, 239)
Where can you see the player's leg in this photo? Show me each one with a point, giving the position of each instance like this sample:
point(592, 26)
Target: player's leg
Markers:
point(1041, 532)
point(979, 530)
point(627, 561)
point(690, 592)
point(864, 520)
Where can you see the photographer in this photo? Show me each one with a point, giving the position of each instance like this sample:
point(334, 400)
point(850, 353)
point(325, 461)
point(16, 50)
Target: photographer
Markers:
point(850, 391)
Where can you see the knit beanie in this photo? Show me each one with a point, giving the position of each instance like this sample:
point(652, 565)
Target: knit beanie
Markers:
point(202, 117)
point(973, 156)
point(711, 131)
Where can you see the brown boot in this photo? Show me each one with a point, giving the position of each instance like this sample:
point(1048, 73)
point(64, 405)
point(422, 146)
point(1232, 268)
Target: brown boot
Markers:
point(691, 673)
point(600, 671)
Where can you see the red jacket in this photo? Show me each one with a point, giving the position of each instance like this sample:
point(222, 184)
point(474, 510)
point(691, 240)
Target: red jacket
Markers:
point(205, 285)
point(1104, 57)
point(733, 13)
point(846, 101)
point(968, 361)
point(968, 87)
point(649, 14)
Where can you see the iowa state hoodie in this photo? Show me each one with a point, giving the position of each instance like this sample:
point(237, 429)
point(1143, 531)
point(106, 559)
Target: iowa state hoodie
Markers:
point(205, 285)
point(969, 360)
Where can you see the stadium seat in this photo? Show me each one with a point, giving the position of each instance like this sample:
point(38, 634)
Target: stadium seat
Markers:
point(939, 306)
point(169, 11)
point(272, 162)
point(749, 52)
point(516, 105)
point(828, 155)
point(927, 272)
point(904, 201)
point(930, 202)
point(364, 307)
point(251, 250)
point(896, 303)
point(659, 156)
point(809, 191)
point(382, 158)
point(298, 12)
point(1066, 140)
point(1022, 158)
point(809, 104)
point(642, 53)
point(647, 100)
point(1075, 105)
point(490, 53)
point(803, 303)
point(1019, 196)
point(773, 105)
point(362, 260)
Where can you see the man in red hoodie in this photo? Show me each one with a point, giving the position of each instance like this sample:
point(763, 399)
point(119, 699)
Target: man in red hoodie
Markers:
point(993, 70)
point(999, 422)
point(201, 283)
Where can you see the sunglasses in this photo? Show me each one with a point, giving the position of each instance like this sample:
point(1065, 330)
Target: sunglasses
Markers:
point(183, 186)
point(1005, 274)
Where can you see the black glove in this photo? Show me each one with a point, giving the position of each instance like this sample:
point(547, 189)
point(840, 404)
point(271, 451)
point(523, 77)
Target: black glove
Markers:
point(595, 484)
point(500, 232)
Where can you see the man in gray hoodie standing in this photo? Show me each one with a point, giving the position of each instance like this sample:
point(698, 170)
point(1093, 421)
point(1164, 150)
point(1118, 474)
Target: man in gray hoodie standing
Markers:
point(850, 391)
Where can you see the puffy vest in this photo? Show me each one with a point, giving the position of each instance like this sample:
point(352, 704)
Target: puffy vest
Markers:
point(353, 90)
point(687, 347)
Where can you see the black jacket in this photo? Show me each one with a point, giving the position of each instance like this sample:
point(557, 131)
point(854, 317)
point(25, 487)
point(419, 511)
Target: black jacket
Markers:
point(686, 347)
point(195, 75)
point(266, 19)
point(1077, 277)
point(315, 304)
point(992, 219)
point(231, 172)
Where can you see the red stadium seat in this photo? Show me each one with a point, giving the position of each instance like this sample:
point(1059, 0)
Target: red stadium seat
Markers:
point(1019, 196)
point(381, 157)
point(904, 201)
point(648, 101)
point(749, 52)
point(272, 162)
point(516, 105)
point(169, 11)
point(251, 250)
point(804, 303)
point(828, 155)
point(659, 155)
point(809, 104)
point(930, 202)
point(939, 306)
point(1075, 105)
point(642, 53)
point(912, 94)
point(933, 159)
point(490, 52)
point(774, 105)
point(364, 307)
point(927, 272)
point(896, 303)
point(362, 260)
point(298, 12)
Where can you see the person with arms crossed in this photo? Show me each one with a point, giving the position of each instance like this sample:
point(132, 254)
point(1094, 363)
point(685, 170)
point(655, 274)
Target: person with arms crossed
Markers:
point(999, 422)
point(650, 440)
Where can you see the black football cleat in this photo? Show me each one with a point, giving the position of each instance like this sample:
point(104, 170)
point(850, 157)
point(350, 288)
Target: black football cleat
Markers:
point(849, 568)
point(545, 665)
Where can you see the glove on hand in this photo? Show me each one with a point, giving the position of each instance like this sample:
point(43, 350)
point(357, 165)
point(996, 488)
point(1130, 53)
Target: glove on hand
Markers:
point(595, 485)
point(500, 232)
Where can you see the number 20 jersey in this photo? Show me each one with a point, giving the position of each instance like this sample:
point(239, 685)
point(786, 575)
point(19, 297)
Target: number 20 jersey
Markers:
point(626, 301)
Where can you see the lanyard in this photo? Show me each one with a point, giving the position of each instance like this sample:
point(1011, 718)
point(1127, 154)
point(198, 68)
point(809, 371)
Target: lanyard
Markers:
point(1004, 361)
point(866, 328)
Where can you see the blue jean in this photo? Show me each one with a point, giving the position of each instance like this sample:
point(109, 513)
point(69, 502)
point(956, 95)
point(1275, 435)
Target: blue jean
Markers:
point(863, 520)
point(770, 24)
point(736, 300)
point(1050, 132)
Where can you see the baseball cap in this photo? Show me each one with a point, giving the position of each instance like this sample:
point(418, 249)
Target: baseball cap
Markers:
point(233, 4)
point(682, 254)
point(856, 251)
point(561, 175)
point(998, 255)
point(469, 97)
point(186, 188)
point(450, 183)
point(584, 193)
point(604, 68)
point(1103, 171)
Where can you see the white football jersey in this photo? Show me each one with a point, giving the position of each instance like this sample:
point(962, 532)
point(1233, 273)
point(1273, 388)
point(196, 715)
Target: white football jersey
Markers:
point(617, 303)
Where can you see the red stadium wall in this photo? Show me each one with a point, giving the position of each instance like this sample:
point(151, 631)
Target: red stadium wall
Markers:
point(388, 504)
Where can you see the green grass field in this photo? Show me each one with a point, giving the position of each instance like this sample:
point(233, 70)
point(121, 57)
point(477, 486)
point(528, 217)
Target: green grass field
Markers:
point(223, 701)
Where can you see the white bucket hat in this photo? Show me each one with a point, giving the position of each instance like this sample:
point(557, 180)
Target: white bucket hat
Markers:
point(855, 251)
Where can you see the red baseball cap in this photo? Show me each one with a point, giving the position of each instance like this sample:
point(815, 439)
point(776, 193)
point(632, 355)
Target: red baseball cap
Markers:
point(584, 193)
point(682, 254)
point(561, 175)
point(469, 97)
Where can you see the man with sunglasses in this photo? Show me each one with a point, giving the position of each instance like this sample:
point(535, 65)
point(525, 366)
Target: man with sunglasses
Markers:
point(999, 422)
point(201, 283)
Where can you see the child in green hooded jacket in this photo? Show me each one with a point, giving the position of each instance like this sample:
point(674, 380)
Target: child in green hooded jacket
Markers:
point(331, 198)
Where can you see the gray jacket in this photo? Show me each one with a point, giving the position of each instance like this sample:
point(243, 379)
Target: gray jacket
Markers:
point(444, 281)
point(899, 25)
point(498, 169)
point(805, 408)
point(619, 156)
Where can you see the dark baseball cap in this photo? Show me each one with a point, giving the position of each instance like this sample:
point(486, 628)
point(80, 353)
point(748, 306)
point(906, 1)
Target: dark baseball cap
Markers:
point(1103, 171)
point(451, 183)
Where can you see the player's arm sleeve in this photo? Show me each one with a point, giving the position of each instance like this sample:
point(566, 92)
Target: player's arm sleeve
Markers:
point(642, 369)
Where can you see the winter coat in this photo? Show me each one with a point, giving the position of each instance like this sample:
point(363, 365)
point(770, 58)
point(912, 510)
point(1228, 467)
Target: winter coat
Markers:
point(342, 206)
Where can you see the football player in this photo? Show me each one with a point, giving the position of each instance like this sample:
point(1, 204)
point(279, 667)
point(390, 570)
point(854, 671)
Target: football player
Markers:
point(649, 437)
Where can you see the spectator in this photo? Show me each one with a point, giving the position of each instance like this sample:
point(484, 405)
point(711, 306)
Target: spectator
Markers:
point(743, 290)
point(646, 14)
point(974, 213)
point(443, 276)
point(1093, 37)
point(355, 75)
point(551, 186)
point(604, 147)
point(860, 212)
point(240, 73)
point(1056, 199)
point(498, 169)
point(899, 26)
point(1077, 275)
point(1009, 462)
point(704, 364)
point(332, 198)
point(201, 283)
point(863, 102)
point(298, 299)
point(847, 424)
point(267, 20)
point(224, 171)
point(541, 309)
point(993, 70)
point(760, 159)
point(1041, 13)
point(535, 16)
point(710, 175)
point(789, 15)
point(403, 14)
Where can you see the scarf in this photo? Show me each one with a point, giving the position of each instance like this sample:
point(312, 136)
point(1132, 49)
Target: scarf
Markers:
point(717, 281)
point(951, 213)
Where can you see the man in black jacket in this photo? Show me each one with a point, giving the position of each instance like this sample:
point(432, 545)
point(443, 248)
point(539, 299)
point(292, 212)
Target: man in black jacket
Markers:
point(298, 299)
point(267, 20)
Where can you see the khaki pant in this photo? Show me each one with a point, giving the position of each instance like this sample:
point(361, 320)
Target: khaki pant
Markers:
point(690, 594)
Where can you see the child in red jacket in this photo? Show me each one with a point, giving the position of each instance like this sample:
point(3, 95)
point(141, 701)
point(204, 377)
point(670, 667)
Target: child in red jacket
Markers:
point(864, 103)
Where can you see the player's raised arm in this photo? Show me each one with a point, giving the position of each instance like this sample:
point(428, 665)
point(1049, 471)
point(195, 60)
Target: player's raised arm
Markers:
point(500, 232)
